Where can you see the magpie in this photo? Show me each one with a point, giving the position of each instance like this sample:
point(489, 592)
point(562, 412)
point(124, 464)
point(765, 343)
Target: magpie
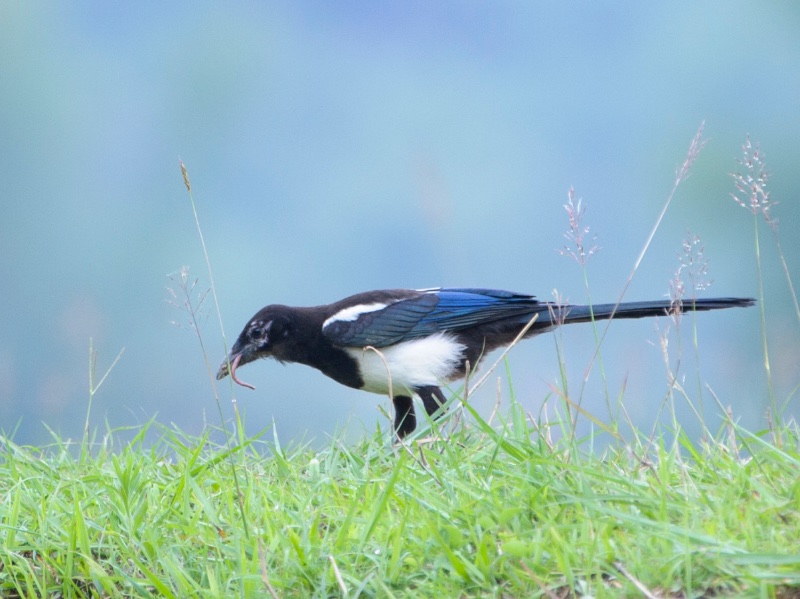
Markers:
point(405, 342)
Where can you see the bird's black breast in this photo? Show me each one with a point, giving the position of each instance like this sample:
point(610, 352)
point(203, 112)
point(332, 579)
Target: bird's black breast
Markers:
point(307, 345)
point(338, 365)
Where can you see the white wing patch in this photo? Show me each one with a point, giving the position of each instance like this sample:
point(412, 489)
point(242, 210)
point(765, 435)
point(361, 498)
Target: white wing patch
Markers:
point(416, 363)
point(352, 313)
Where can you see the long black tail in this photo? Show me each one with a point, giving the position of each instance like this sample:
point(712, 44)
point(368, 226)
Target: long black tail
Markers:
point(570, 314)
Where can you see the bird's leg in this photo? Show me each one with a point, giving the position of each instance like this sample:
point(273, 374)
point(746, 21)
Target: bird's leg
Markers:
point(405, 420)
point(432, 398)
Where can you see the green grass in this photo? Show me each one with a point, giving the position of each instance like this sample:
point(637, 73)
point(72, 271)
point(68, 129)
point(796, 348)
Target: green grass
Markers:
point(492, 511)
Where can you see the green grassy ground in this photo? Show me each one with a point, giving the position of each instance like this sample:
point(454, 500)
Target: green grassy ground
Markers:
point(492, 511)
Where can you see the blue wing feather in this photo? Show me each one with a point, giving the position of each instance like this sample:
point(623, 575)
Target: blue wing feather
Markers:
point(429, 312)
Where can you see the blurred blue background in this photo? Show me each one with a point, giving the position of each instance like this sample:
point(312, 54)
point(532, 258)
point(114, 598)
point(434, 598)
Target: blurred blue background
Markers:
point(339, 147)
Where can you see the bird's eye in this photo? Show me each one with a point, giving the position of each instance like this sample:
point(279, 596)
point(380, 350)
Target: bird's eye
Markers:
point(259, 330)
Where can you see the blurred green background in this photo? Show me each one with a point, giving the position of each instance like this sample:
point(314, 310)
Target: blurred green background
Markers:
point(339, 147)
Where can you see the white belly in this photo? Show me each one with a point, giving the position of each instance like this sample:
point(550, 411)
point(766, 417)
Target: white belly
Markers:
point(418, 363)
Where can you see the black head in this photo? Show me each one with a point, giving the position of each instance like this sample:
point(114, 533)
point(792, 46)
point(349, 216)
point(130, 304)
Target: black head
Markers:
point(262, 337)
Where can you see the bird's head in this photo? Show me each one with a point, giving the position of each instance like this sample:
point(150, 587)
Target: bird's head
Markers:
point(265, 333)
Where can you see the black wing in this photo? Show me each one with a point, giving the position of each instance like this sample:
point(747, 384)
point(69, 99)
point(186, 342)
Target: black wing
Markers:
point(424, 313)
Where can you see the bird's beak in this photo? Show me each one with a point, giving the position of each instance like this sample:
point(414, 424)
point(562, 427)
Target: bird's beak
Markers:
point(229, 366)
point(224, 368)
